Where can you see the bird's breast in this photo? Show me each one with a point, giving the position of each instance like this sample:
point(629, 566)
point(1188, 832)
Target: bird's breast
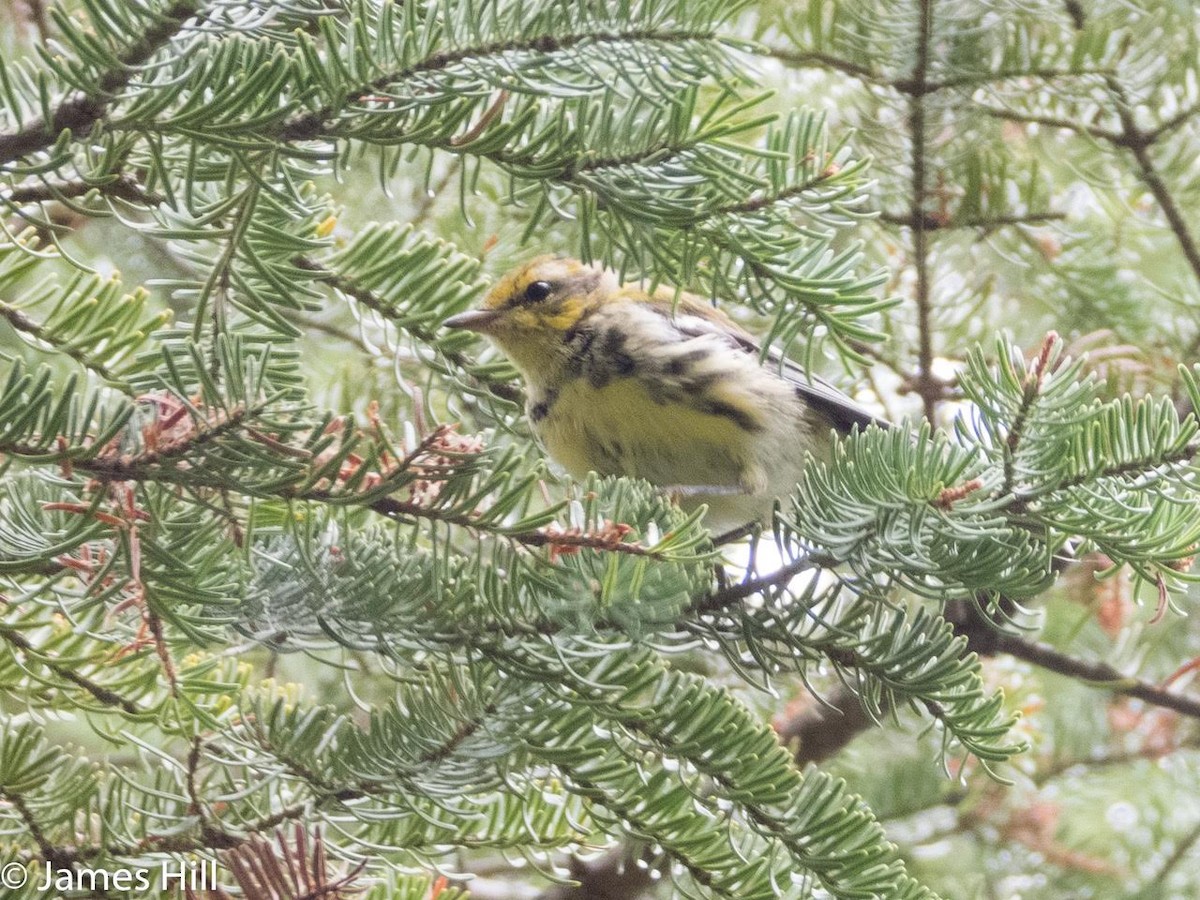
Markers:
point(625, 427)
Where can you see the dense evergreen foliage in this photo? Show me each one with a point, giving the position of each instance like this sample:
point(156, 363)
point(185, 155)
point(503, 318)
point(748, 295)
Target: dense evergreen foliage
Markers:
point(286, 584)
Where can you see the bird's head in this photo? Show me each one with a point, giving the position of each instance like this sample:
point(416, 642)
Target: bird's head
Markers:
point(532, 311)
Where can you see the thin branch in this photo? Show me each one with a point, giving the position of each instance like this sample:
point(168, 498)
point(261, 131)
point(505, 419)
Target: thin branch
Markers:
point(98, 691)
point(1011, 115)
point(122, 187)
point(1098, 674)
point(912, 85)
point(1180, 118)
point(728, 596)
point(84, 110)
point(37, 15)
point(1061, 767)
point(754, 204)
point(1185, 846)
point(313, 125)
point(49, 851)
point(1138, 143)
point(394, 508)
point(927, 385)
point(974, 79)
point(157, 464)
point(931, 222)
point(119, 467)
point(23, 323)
point(821, 729)
point(813, 59)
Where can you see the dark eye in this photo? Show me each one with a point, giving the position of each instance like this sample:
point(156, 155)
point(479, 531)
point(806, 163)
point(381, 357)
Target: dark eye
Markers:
point(537, 292)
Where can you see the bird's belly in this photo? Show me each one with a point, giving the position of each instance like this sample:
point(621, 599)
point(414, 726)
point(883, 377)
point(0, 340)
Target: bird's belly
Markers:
point(621, 429)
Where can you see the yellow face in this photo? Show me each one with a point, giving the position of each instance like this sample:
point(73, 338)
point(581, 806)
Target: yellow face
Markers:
point(533, 308)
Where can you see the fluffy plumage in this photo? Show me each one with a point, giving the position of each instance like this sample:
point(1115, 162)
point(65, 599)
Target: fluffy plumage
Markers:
point(623, 382)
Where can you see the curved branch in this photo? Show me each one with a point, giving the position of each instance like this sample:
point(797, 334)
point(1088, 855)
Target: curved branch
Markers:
point(84, 110)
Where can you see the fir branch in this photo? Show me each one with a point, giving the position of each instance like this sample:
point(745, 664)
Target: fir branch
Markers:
point(1128, 469)
point(983, 638)
point(216, 286)
point(82, 111)
point(121, 186)
point(636, 816)
point(23, 323)
point(505, 390)
point(1030, 391)
point(315, 125)
point(49, 851)
point(145, 466)
point(104, 695)
point(814, 733)
point(1138, 143)
point(1098, 674)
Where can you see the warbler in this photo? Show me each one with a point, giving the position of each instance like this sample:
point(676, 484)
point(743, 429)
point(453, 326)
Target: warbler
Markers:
point(660, 386)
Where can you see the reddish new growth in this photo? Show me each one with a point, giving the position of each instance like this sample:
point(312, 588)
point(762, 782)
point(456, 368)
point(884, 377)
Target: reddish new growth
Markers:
point(1036, 826)
point(171, 426)
point(435, 456)
point(351, 464)
point(426, 464)
point(1037, 372)
point(96, 573)
point(176, 425)
point(947, 497)
point(566, 542)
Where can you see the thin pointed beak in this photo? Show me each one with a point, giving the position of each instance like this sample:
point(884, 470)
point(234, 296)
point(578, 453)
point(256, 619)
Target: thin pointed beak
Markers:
point(474, 320)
